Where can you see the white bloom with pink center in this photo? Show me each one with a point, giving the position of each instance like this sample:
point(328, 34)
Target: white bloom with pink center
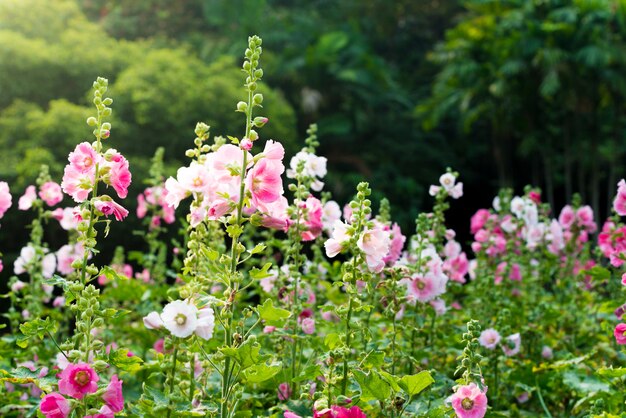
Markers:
point(26, 200)
point(489, 338)
point(375, 244)
point(447, 181)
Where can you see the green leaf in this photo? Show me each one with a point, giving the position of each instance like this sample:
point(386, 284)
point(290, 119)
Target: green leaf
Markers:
point(373, 386)
point(121, 360)
point(271, 315)
point(597, 273)
point(374, 360)
point(36, 328)
point(391, 379)
point(246, 355)
point(259, 248)
point(416, 383)
point(257, 274)
point(611, 372)
point(332, 341)
point(309, 373)
point(110, 274)
point(562, 364)
point(584, 384)
point(261, 372)
point(155, 395)
point(23, 375)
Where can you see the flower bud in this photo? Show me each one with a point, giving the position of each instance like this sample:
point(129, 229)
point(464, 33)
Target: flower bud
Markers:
point(242, 106)
point(91, 121)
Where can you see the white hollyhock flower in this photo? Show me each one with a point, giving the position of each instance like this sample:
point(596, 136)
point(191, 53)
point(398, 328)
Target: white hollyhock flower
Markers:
point(447, 181)
point(206, 323)
point(153, 321)
point(180, 318)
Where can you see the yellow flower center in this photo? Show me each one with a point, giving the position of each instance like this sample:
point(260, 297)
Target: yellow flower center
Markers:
point(467, 404)
point(82, 378)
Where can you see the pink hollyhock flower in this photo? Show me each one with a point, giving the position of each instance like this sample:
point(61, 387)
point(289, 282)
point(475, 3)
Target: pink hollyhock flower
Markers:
point(620, 334)
point(76, 183)
point(159, 345)
point(396, 245)
point(119, 176)
point(113, 396)
point(313, 219)
point(108, 207)
point(66, 256)
point(77, 380)
point(27, 199)
point(340, 236)
point(584, 217)
point(469, 401)
point(54, 405)
point(5, 198)
point(175, 192)
point(195, 178)
point(58, 301)
point(284, 391)
point(489, 338)
point(457, 268)
point(456, 191)
point(308, 325)
point(535, 197)
point(515, 273)
point(546, 352)
point(375, 244)
point(264, 181)
point(426, 288)
point(439, 305)
point(275, 214)
point(511, 345)
point(340, 412)
point(274, 150)
point(289, 414)
point(51, 193)
point(567, 217)
point(452, 249)
point(619, 204)
point(84, 158)
point(105, 412)
point(142, 207)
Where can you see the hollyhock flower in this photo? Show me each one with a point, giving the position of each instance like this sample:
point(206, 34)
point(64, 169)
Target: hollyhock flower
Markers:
point(284, 391)
point(517, 206)
point(77, 380)
point(340, 236)
point(180, 318)
point(584, 218)
point(508, 224)
point(76, 183)
point(535, 197)
point(51, 193)
point(48, 265)
point(308, 325)
point(175, 192)
point(289, 414)
point(426, 288)
point(511, 345)
point(206, 323)
point(340, 412)
point(489, 338)
point(264, 181)
point(439, 305)
point(17, 286)
point(331, 212)
point(479, 219)
point(108, 207)
point(620, 334)
point(313, 219)
point(375, 244)
point(113, 395)
point(142, 207)
point(26, 200)
point(433, 190)
point(456, 191)
point(395, 246)
point(314, 166)
point(84, 158)
point(275, 214)
point(58, 301)
point(159, 345)
point(27, 253)
point(5, 198)
point(619, 203)
point(54, 405)
point(447, 181)
point(66, 256)
point(546, 352)
point(153, 321)
point(567, 217)
point(274, 150)
point(469, 401)
point(119, 175)
point(105, 412)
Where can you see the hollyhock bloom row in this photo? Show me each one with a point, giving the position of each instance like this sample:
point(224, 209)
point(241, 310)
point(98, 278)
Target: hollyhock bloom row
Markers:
point(181, 318)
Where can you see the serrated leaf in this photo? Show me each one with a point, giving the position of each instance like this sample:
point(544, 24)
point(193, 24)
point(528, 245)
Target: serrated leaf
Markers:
point(309, 373)
point(374, 360)
point(155, 395)
point(373, 386)
point(261, 372)
point(272, 315)
point(121, 360)
point(257, 274)
point(36, 328)
point(416, 383)
point(611, 372)
point(246, 355)
point(391, 379)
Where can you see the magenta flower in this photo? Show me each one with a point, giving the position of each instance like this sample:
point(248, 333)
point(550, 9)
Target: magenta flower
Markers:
point(105, 412)
point(264, 181)
point(119, 176)
point(340, 412)
point(113, 396)
point(284, 391)
point(51, 193)
point(108, 207)
point(5, 198)
point(78, 380)
point(469, 402)
point(620, 334)
point(54, 405)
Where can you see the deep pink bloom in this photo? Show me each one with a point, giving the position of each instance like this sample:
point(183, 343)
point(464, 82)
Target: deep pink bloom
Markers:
point(108, 207)
point(105, 412)
point(5, 198)
point(119, 176)
point(113, 395)
point(620, 334)
point(284, 391)
point(264, 181)
point(340, 412)
point(426, 288)
point(77, 380)
point(54, 405)
point(469, 402)
point(84, 158)
point(567, 217)
point(313, 219)
point(51, 193)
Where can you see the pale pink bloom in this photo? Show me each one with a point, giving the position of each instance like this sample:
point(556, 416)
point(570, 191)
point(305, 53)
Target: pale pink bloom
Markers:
point(142, 207)
point(27, 253)
point(396, 245)
point(534, 235)
point(456, 191)
point(206, 323)
point(489, 338)
point(308, 325)
point(469, 401)
point(567, 217)
point(447, 181)
point(58, 302)
point(66, 256)
point(76, 183)
point(317, 185)
point(275, 214)
point(284, 391)
point(67, 218)
point(471, 268)
point(426, 288)
point(508, 224)
point(48, 266)
point(113, 395)
point(26, 200)
point(17, 286)
point(375, 244)
point(77, 380)
point(289, 414)
point(331, 212)
point(517, 206)
point(340, 236)
point(264, 181)
point(108, 207)
point(620, 334)
point(84, 158)
point(451, 249)
point(195, 178)
point(439, 305)
point(197, 215)
point(546, 352)
point(175, 192)
point(227, 161)
point(5, 198)
point(511, 345)
point(105, 412)
point(433, 190)
point(54, 405)
point(144, 275)
point(119, 176)
point(456, 268)
point(274, 150)
point(153, 321)
point(51, 193)
point(268, 329)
